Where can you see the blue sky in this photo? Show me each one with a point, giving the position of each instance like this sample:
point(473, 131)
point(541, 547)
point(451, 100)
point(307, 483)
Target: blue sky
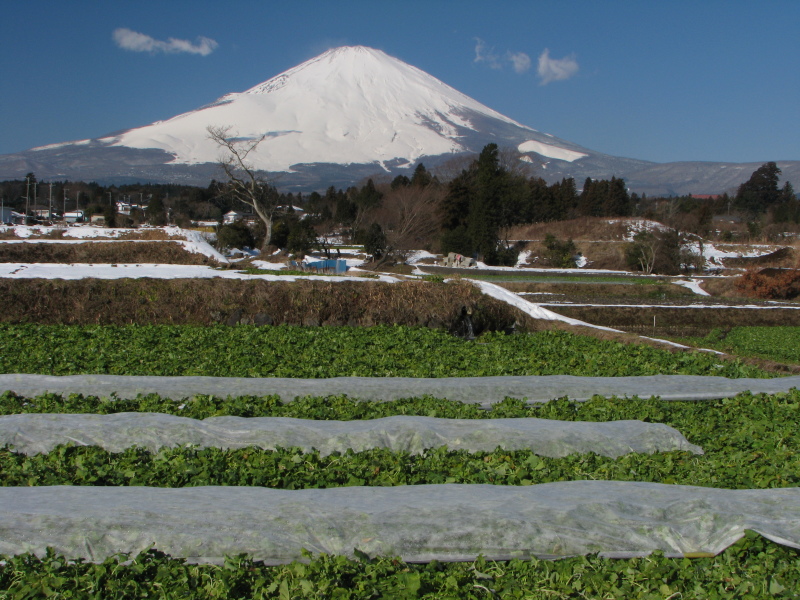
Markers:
point(661, 81)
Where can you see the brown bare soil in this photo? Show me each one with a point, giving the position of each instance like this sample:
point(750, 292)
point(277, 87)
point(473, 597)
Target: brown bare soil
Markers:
point(99, 252)
point(210, 301)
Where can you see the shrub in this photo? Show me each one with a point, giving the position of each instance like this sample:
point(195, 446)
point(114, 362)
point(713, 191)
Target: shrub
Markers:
point(770, 284)
point(235, 235)
point(559, 253)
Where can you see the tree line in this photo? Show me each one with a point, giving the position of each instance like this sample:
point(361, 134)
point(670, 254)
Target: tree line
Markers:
point(469, 212)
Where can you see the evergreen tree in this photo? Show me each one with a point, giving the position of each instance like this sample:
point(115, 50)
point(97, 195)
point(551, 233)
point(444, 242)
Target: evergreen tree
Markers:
point(761, 191)
point(368, 196)
point(542, 206)
point(617, 201)
point(400, 181)
point(421, 177)
point(483, 219)
point(156, 214)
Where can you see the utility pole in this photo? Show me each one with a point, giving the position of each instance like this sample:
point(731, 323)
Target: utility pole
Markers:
point(27, 196)
point(50, 205)
point(64, 212)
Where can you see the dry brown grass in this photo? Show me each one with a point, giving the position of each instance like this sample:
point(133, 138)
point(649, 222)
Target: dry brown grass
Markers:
point(585, 228)
point(721, 287)
point(209, 301)
point(603, 291)
point(58, 233)
point(783, 257)
point(102, 252)
point(678, 322)
point(146, 234)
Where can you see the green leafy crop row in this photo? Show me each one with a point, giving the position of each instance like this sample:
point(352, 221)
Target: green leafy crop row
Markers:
point(753, 568)
point(781, 344)
point(316, 352)
point(750, 442)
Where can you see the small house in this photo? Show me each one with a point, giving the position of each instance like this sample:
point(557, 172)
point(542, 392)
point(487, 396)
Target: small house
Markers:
point(74, 216)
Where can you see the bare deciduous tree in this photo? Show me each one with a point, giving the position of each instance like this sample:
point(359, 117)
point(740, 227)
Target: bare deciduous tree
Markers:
point(409, 215)
point(244, 182)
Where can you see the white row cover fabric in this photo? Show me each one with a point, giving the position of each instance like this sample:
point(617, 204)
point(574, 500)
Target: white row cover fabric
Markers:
point(417, 523)
point(40, 433)
point(480, 390)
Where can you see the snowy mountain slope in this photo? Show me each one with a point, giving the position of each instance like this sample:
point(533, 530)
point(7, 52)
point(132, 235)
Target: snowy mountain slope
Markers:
point(348, 106)
point(354, 103)
point(349, 113)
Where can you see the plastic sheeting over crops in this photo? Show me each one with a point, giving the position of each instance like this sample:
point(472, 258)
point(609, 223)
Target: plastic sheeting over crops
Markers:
point(40, 433)
point(480, 390)
point(417, 523)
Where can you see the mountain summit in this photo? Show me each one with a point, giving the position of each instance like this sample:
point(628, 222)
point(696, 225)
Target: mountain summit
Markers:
point(350, 105)
point(349, 113)
point(356, 104)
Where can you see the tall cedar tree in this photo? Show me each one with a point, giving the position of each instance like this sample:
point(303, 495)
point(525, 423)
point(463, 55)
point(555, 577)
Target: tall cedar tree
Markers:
point(761, 191)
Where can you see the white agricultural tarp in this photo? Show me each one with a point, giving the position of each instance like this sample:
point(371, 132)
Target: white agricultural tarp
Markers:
point(40, 433)
point(478, 390)
point(417, 523)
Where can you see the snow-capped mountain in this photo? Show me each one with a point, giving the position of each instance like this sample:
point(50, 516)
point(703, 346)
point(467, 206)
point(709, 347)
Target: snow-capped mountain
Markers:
point(353, 103)
point(349, 113)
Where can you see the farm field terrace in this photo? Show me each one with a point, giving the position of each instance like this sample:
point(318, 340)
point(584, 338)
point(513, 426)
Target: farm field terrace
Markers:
point(321, 352)
point(776, 343)
point(749, 442)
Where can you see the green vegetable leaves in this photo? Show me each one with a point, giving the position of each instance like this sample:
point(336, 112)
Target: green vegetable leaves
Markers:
point(319, 352)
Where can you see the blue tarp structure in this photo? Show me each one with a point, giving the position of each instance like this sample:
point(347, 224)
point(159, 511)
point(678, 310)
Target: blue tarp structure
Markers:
point(333, 265)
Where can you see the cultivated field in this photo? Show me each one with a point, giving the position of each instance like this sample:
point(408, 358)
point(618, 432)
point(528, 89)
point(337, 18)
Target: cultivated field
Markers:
point(668, 523)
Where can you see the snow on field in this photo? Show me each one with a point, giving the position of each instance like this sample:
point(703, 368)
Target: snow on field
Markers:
point(155, 271)
point(534, 310)
point(192, 241)
point(714, 254)
point(418, 255)
point(522, 258)
point(268, 266)
point(692, 284)
point(637, 226)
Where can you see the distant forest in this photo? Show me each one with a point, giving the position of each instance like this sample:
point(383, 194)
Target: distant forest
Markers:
point(469, 211)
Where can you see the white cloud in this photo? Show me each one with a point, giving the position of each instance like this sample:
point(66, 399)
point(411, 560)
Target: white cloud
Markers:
point(127, 39)
point(487, 55)
point(520, 60)
point(556, 69)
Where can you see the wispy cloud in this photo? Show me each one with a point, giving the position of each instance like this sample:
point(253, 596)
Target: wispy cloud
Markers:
point(484, 54)
point(127, 39)
point(556, 69)
point(520, 61)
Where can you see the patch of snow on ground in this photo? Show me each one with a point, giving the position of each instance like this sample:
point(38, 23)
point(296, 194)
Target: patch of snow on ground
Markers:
point(522, 258)
point(537, 312)
point(155, 271)
point(418, 255)
point(714, 255)
point(638, 225)
point(192, 241)
point(529, 308)
point(268, 266)
point(692, 284)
